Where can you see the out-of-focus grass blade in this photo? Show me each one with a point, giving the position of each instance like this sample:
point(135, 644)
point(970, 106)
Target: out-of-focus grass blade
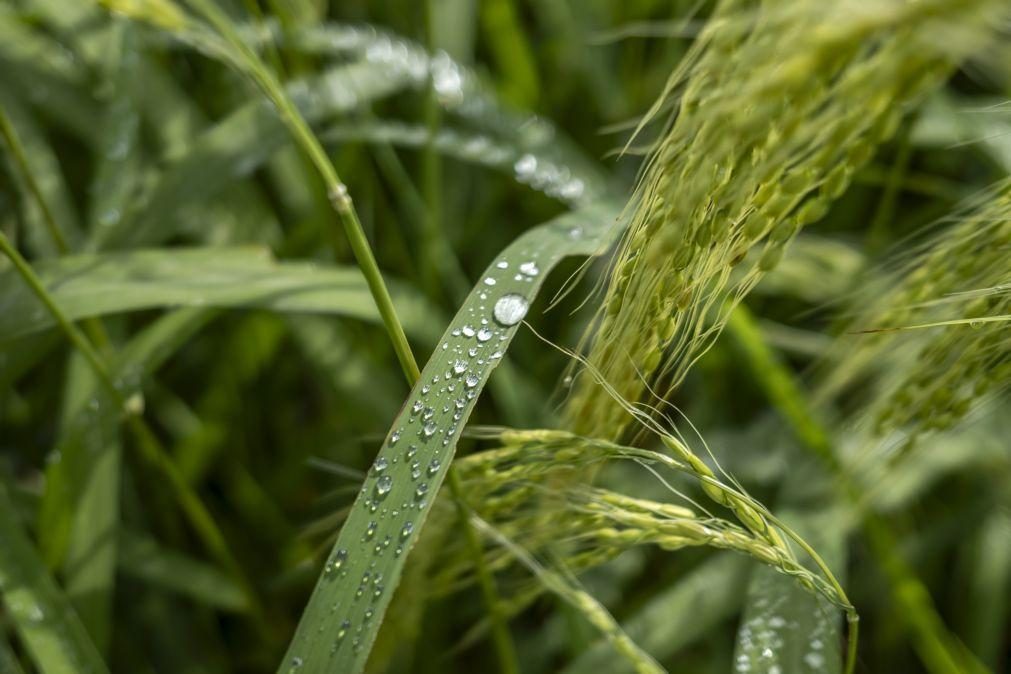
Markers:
point(241, 143)
point(70, 465)
point(9, 663)
point(44, 167)
point(47, 624)
point(118, 161)
point(94, 285)
point(459, 91)
point(990, 578)
point(144, 559)
point(38, 70)
point(90, 564)
point(676, 616)
point(343, 615)
point(946, 121)
point(544, 172)
point(784, 628)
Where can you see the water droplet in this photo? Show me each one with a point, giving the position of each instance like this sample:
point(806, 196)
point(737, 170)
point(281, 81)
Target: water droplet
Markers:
point(433, 467)
point(411, 451)
point(468, 331)
point(296, 662)
point(471, 381)
point(407, 530)
point(415, 470)
point(384, 485)
point(489, 281)
point(416, 407)
point(425, 389)
point(459, 367)
point(502, 265)
point(370, 531)
point(421, 490)
point(395, 437)
point(380, 464)
point(429, 429)
point(510, 309)
point(336, 562)
point(576, 233)
point(342, 631)
point(483, 335)
point(529, 269)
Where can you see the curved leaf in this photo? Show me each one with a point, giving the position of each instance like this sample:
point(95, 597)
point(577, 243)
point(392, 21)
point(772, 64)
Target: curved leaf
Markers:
point(343, 615)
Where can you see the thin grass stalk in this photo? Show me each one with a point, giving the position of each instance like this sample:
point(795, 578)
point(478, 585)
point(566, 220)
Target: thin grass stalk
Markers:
point(337, 191)
point(198, 515)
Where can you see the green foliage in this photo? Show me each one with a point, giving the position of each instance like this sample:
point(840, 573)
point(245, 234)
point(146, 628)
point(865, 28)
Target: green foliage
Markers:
point(290, 375)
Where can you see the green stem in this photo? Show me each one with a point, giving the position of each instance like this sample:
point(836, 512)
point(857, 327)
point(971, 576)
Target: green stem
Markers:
point(337, 192)
point(199, 517)
point(500, 631)
point(17, 151)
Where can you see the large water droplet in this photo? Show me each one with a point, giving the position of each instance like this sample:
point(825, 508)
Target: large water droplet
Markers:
point(384, 485)
point(471, 381)
point(483, 335)
point(468, 331)
point(459, 367)
point(510, 309)
point(380, 464)
point(429, 429)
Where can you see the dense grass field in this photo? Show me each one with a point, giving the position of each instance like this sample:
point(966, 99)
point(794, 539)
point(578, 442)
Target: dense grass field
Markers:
point(517, 336)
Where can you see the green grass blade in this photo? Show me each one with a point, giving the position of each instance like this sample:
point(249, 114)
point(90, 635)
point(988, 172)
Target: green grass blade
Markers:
point(542, 169)
point(100, 284)
point(44, 619)
point(9, 663)
point(90, 563)
point(242, 142)
point(392, 507)
point(784, 628)
point(144, 559)
point(89, 426)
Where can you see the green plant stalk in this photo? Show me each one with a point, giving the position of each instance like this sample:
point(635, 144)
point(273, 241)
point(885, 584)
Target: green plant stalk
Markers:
point(939, 651)
point(504, 648)
point(94, 328)
point(198, 515)
point(337, 192)
point(17, 152)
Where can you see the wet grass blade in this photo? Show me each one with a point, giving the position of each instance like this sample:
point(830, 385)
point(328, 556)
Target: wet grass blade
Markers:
point(44, 619)
point(784, 628)
point(343, 615)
